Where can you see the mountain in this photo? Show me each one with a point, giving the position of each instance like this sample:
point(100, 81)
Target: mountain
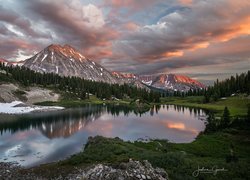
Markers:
point(124, 75)
point(131, 79)
point(3, 60)
point(171, 82)
point(162, 82)
point(67, 61)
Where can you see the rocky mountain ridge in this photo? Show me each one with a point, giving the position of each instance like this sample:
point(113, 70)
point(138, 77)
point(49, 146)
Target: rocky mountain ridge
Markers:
point(67, 61)
point(171, 82)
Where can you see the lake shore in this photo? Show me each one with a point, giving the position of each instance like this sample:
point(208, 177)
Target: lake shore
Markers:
point(228, 148)
point(237, 105)
point(178, 160)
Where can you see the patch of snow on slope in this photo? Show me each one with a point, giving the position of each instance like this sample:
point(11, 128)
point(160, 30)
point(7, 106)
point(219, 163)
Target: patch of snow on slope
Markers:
point(12, 108)
point(43, 69)
point(147, 82)
point(81, 55)
point(37, 57)
point(44, 57)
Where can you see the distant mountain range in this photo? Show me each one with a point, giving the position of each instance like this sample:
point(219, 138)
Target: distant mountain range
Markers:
point(164, 81)
point(67, 61)
point(171, 82)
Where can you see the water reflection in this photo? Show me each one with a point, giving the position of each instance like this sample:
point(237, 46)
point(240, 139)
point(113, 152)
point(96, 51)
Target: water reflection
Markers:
point(44, 137)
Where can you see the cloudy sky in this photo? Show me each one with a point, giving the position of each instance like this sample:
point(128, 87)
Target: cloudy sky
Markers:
point(204, 39)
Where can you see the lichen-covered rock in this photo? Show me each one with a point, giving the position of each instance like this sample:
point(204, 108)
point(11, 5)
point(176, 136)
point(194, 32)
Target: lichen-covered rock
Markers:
point(132, 170)
point(125, 171)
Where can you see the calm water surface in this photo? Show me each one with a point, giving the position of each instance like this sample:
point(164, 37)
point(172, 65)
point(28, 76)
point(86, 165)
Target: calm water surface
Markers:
point(45, 137)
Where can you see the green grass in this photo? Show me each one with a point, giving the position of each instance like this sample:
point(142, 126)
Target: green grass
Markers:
point(236, 105)
point(179, 160)
point(126, 103)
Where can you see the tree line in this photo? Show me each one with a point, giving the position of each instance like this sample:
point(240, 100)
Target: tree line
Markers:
point(228, 87)
point(78, 87)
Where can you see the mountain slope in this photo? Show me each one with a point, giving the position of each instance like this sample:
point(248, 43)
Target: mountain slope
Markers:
point(162, 81)
point(171, 82)
point(67, 61)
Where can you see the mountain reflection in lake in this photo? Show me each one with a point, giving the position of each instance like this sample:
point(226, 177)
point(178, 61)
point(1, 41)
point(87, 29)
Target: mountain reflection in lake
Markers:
point(45, 137)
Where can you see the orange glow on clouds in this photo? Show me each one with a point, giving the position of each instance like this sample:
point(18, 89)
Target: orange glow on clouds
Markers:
point(237, 29)
point(173, 54)
point(200, 46)
point(186, 2)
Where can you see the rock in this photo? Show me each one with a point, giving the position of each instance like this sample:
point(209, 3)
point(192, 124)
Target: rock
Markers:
point(129, 171)
point(148, 177)
point(138, 176)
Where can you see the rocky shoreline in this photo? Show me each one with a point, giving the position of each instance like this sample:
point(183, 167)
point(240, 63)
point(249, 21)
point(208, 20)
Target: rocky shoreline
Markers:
point(11, 171)
point(132, 170)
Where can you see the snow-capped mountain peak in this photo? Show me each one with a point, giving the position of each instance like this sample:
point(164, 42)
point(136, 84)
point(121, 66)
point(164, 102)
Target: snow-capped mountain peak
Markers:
point(67, 61)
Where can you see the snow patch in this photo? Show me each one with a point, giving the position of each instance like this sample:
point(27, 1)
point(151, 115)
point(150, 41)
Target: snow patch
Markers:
point(43, 69)
point(93, 62)
point(56, 69)
point(147, 82)
point(45, 55)
point(13, 108)
point(38, 55)
point(81, 55)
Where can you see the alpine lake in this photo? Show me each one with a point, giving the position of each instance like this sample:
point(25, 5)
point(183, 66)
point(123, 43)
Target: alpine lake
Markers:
point(37, 138)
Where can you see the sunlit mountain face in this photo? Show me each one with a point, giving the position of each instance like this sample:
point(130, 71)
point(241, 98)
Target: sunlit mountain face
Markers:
point(200, 39)
point(171, 82)
point(67, 61)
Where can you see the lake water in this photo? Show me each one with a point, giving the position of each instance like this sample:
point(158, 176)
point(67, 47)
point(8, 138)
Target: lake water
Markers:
point(45, 137)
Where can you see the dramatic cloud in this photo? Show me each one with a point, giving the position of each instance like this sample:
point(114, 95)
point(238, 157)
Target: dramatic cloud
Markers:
point(131, 4)
point(81, 25)
point(140, 36)
point(189, 29)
